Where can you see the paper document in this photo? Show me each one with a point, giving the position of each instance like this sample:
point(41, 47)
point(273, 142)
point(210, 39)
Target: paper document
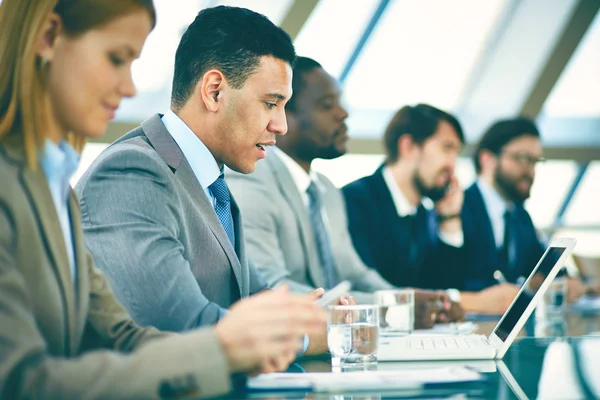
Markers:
point(587, 304)
point(414, 379)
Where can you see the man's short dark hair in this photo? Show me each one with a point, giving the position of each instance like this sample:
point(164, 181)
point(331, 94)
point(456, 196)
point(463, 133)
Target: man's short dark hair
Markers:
point(229, 39)
point(500, 133)
point(303, 64)
point(420, 122)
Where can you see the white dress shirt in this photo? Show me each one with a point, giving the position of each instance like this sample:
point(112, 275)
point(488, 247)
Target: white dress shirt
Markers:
point(201, 160)
point(404, 208)
point(299, 175)
point(302, 180)
point(59, 163)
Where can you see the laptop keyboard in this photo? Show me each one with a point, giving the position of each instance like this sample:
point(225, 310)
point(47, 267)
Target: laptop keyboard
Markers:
point(450, 342)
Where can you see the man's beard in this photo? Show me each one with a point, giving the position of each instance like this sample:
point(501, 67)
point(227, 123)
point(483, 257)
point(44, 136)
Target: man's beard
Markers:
point(435, 193)
point(508, 186)
point(332, 151)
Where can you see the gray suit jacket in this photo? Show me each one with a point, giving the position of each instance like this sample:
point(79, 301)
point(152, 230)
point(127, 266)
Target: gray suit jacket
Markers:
point(53, 338)
point(154, 233)
point(280, 239)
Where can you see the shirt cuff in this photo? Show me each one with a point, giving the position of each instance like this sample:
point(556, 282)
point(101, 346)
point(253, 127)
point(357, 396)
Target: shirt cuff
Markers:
point(306, 342)
point(456, 239)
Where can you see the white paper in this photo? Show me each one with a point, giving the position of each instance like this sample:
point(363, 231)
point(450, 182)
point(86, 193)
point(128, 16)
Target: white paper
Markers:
point(410, 379)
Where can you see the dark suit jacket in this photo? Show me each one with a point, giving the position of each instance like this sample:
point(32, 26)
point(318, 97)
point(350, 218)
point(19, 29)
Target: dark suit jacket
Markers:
point(382, 237)
point(155, 234)
point(481, 255)
point(54, 334)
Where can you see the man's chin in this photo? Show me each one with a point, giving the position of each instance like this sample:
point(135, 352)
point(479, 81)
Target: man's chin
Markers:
point(243, 169)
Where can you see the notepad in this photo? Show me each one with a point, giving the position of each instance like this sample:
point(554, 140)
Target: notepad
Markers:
point(328, 382)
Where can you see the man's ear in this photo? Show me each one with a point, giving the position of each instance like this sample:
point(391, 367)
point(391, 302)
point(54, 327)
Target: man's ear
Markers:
point(487, 160)
point(210, 89)
point(51, 30)
point(406, 146)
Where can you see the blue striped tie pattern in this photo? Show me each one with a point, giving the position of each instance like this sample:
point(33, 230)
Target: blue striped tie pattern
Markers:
point(223, 206)
point(321, 236)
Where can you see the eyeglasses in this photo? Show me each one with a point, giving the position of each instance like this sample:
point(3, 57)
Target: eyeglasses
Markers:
point(524, 159)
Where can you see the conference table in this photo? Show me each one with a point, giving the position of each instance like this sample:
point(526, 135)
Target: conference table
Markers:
point(518, 375)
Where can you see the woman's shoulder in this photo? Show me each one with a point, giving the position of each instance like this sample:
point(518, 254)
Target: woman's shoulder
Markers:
point(11, 180)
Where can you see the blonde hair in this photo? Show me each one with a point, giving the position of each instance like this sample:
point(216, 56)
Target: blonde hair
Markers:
point(23, 109)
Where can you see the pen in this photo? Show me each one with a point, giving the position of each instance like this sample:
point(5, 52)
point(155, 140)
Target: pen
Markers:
point(499, 276)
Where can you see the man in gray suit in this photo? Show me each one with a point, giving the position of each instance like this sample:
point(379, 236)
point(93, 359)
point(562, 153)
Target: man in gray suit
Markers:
point(157, 214)
point(295, 218)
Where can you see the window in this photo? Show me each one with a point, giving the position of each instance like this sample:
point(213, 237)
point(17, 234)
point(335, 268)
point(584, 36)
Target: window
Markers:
point(417, 55)
point(552, 181)
point(577, 92)
point(585, 206)
point(332, 31)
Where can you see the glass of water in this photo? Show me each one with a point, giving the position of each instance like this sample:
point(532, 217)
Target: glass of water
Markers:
point(353, 334)
point(555, 298)
point(396, 310)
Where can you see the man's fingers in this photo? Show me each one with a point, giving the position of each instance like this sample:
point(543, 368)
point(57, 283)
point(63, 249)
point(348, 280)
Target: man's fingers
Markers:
point(316, 294)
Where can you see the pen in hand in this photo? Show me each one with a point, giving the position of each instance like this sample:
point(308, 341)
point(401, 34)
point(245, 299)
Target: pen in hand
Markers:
point(499, 276)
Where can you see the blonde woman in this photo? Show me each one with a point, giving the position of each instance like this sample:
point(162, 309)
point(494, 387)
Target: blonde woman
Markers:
point(64, 67)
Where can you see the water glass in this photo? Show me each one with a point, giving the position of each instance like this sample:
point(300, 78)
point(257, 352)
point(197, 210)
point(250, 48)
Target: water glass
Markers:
point(353, 333)
point(397, 310)
point(555, 298)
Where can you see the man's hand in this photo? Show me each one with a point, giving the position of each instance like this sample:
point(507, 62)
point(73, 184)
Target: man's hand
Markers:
point(575, 289)
point(451, 204)
point(263, 333)
point(318, 341)
point(317, 293)
point(455, 314)
point(431, 307)
point(495, 299)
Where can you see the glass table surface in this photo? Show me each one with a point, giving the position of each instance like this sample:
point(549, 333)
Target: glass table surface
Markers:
point(559, 355)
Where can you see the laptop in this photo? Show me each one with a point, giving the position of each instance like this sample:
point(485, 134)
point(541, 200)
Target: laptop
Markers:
point(480, 347)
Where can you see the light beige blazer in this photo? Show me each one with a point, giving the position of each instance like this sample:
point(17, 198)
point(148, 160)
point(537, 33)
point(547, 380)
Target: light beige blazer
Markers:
point(60, 343)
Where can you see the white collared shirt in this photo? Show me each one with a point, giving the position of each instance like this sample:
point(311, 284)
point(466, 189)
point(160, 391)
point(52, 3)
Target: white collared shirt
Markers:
point(302, 181)
point(404, 208)
point(496, 206)
point(59, 163)
point(201, 160)
point(299, 175)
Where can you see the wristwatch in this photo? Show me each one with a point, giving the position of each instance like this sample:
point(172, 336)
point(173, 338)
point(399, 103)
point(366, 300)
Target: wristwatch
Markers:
point(454, 295)
point(446, 217)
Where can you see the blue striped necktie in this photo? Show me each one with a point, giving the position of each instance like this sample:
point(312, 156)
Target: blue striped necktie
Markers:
point(321, 236)
point(223, 206)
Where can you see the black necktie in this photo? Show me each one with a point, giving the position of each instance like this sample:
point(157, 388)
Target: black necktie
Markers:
point(509, 246)
point(321, 236)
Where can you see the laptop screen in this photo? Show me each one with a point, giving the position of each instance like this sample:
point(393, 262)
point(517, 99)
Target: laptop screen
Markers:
point(523, 298)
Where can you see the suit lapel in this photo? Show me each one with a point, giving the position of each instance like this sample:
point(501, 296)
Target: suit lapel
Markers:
point(43, 204)
point(186, 176)
point(484, 223)
point(387, 210)
point(165, 145)
point(240, 250)
point(81, 302)
point(289, 190)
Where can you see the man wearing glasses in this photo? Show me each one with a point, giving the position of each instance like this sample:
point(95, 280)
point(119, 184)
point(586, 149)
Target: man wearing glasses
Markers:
point(501, 244)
